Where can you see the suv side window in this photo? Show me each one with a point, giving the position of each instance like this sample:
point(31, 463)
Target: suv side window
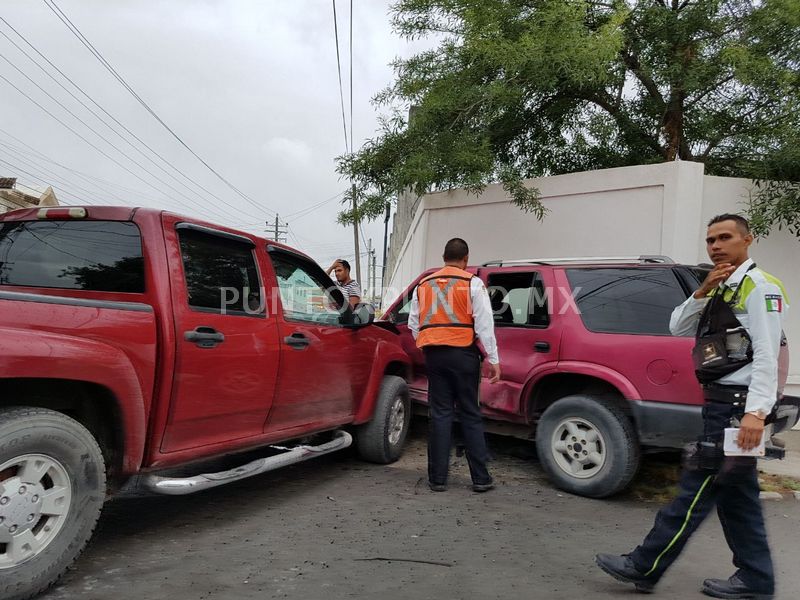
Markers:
point(626, 300)
point(220, 273)
point(518, 299)
point(306, 295)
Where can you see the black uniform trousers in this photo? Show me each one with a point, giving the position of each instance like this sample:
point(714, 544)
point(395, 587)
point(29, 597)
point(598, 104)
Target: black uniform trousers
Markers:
point(733, 488)
point(454, 374)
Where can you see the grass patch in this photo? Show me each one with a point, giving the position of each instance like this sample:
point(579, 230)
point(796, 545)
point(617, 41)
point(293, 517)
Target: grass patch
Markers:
point(778, 483)
point(658, 479)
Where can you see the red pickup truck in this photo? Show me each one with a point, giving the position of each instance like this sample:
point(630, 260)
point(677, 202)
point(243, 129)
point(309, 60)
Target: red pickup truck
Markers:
point(135, 341)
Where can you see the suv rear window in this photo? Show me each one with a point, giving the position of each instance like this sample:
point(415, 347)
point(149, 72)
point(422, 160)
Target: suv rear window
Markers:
point(101, 256)
point(626, 300)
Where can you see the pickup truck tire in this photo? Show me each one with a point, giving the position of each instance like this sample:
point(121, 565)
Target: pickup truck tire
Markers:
point(52, 488)
point(381, 440)
point(588, 446)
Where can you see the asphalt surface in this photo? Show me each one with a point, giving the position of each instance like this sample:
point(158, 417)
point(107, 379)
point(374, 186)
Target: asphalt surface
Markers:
point(339, 528)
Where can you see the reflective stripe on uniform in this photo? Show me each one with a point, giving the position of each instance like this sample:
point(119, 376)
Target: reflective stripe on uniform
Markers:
point(439, 299)
point(683, 527)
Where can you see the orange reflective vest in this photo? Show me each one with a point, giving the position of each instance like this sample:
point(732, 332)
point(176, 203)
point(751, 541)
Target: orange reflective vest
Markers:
point(445, 309)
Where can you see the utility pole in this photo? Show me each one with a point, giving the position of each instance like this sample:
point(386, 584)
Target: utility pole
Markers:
point(369, 258)
point(278, 230)
point(355, 235)
point(373, 275)
point(385, 242)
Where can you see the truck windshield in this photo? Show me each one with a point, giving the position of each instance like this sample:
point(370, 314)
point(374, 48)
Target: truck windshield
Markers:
point(103, 256)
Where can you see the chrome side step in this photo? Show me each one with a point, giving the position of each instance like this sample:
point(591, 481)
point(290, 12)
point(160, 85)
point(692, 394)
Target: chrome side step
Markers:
point(178, 486)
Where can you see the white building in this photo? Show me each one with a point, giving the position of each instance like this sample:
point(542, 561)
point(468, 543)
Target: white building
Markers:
point(12, 198)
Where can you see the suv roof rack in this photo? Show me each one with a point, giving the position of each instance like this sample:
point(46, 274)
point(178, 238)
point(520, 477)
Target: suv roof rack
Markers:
point(644, 258)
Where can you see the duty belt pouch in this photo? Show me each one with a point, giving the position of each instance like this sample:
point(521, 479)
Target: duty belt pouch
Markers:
point(722, 345)
point(703, 456)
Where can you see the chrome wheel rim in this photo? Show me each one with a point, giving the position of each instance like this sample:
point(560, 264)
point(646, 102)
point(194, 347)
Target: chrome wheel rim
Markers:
point(35, 498)
point(579, 448)
point(397, 420)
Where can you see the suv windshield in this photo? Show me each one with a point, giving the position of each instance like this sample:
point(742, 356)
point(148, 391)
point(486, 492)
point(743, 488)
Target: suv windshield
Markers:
point(102, 256)
point(626, 300)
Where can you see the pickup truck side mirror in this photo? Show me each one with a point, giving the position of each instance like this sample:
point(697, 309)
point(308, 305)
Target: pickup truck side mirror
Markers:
point(363, 314)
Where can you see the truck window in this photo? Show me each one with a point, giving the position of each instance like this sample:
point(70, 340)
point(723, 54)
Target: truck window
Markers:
point(221, 274)
point(518, 298)
point(305, 293)
point(100, 256)
point(626, 300)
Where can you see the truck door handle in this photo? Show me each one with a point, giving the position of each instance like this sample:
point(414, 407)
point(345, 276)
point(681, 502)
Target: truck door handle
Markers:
point(541, 347)
point(297, 340)
point(204, 337)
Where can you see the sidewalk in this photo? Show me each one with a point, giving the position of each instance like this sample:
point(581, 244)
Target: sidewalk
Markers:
point(789, 466)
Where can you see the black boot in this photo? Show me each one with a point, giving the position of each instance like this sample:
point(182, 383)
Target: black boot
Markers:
point(622, 569)
point(733, 588)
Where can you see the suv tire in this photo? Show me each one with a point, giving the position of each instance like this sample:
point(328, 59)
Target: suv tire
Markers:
point(52, 488)
point(382, 439)
point(587, 445)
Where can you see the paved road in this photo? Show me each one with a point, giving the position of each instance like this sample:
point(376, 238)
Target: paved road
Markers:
point(337, 528)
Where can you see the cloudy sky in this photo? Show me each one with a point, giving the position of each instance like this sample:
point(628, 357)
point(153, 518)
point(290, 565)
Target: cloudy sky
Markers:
point(251, 86)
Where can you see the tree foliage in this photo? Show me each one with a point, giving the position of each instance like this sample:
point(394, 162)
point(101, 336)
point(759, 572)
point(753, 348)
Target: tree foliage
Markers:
point(525, 88)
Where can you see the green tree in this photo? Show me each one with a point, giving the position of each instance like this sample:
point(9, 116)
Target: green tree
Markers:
point(526, 88)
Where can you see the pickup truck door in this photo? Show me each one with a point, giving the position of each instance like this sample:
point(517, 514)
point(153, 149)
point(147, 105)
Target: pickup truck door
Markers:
point(317, 352)
point(227, 341)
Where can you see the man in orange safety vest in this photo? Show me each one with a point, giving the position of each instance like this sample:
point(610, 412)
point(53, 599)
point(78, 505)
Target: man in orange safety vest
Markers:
point(450, 310)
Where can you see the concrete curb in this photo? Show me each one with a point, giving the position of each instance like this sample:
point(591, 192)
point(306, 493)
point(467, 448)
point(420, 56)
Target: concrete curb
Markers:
point(770, 496)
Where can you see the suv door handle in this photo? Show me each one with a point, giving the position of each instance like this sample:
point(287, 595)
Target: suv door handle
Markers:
point(297, 340)
point(541, 347)
point(204, 337)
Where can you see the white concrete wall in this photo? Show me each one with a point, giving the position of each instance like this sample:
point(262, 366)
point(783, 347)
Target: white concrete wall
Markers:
point(652, 209)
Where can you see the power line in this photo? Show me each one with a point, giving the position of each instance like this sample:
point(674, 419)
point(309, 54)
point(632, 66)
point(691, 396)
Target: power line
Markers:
point(310, 209)
point(103, 138)
point(54, 178)
point(76, 32)
point(351, 77)
point(27, 149)
point(339, 71)
point(108, 114)
point(35, 178)
point(100, 150)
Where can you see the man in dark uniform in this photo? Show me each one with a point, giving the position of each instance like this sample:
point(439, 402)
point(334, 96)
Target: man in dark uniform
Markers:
point(449, 310)
point(736, 316)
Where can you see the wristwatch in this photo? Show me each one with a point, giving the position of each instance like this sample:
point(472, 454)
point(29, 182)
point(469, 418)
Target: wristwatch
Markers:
point(758, 414)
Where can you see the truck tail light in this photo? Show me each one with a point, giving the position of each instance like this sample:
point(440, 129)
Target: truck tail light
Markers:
point(74, 212)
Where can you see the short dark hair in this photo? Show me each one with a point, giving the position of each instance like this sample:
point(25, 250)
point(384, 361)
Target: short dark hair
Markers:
point(741, 222)
point(344, 263)
point(456, 249)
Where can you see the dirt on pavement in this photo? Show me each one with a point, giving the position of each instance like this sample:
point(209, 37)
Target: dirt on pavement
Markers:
point(339, 528)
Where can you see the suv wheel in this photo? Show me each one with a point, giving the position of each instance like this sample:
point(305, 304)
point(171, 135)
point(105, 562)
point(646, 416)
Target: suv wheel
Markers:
point(587, 446)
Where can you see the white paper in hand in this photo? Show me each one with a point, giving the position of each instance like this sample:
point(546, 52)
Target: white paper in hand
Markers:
point(731, 445)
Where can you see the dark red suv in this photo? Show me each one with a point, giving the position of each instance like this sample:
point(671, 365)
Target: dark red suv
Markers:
point(590, 369)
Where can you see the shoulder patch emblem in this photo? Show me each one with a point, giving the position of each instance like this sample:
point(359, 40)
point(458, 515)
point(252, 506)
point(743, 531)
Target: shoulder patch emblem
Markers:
point(774, 302)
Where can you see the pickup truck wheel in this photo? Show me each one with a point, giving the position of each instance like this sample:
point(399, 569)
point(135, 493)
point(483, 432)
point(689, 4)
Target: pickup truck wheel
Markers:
point(52, 488)
point(587, 446)
point(381, 440)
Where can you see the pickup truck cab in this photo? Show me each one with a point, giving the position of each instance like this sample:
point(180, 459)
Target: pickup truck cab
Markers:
point(133, 341)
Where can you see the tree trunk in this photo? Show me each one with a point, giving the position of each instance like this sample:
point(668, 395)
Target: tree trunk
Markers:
point(673, 126)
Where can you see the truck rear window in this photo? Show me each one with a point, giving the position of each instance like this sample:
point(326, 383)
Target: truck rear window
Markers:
point(626, 300)
point(102, 256)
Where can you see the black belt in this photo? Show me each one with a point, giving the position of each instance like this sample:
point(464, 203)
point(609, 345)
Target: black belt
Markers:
point(730, 394)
